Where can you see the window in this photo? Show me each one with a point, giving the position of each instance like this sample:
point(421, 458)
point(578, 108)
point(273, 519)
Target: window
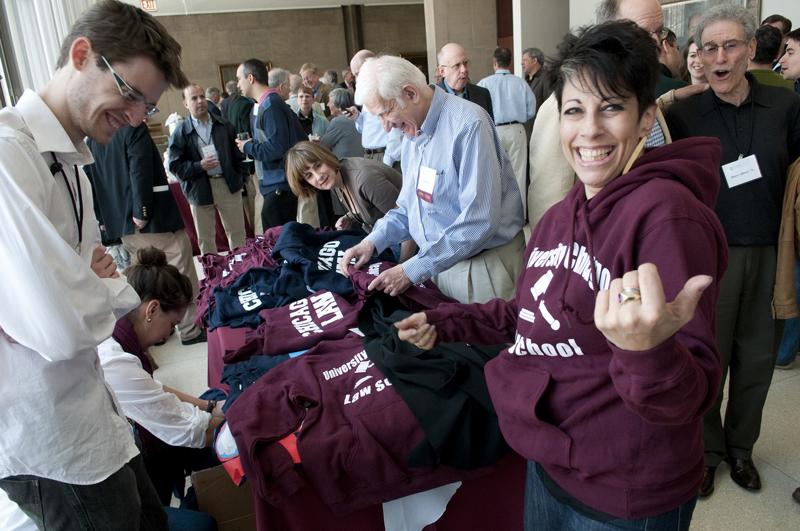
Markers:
point(37, 28)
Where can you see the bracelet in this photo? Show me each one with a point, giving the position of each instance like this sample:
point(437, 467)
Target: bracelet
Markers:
point(211, 405)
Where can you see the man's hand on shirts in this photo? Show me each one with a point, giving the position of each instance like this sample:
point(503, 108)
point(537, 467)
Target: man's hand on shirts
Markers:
point(416, 330)
point(361, 253)
point(240, 143)
point(103, 264)
point(209, 163)
point(140, 223)
point(393, 281)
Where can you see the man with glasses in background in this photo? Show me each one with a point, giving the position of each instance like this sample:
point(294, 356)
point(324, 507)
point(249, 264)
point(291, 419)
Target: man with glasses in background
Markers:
point(67, 454)
point(759, 127)
point(454, 69)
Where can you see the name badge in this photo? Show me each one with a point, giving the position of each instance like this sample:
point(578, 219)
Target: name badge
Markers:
point(425, 183)
point(209, 151)
point(741, 171)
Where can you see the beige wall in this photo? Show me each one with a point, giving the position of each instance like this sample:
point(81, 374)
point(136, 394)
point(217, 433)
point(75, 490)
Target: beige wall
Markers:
point(538, 23)
point(394, 29)
point(471, 23)
point(287, 38)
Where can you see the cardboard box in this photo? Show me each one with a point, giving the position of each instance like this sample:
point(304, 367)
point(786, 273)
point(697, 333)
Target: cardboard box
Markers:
point(231, 506)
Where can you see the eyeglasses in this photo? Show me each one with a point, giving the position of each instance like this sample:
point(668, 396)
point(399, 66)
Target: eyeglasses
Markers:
point(661, 33)
point(130, 94)
point(711, 48)
point(456, 66)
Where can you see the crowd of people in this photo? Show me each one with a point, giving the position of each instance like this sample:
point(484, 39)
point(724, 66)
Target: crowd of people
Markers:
point(620, 217)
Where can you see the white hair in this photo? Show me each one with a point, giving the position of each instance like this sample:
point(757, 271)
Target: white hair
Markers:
point(277, 77)
point(385, 76)
point(730, 13)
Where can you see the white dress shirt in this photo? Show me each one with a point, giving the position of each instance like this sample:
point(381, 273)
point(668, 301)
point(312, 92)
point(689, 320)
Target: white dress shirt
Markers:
point(373, 136)
point(58, 419)
point(144, 400)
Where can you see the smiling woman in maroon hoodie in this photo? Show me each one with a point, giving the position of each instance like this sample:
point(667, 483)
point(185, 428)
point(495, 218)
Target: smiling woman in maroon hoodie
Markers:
point(605, 384)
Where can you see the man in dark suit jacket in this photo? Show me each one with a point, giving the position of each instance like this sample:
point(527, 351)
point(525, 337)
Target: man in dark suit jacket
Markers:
point(532, 67)
point(203, 154)
point(238, 110)
point(213, 100)
point(133, 203)
point(454, 70)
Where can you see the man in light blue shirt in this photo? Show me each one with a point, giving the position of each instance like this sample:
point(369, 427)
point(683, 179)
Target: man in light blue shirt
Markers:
point(459, 200)
point(378, 144)
point(514, 104)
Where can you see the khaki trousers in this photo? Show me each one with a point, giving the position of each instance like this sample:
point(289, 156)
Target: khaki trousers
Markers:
point(488, 275)
point(514, 140)
point(178, 249)
point(230, 210)
point(308, 210)
point(251, 204)
point(374, 156)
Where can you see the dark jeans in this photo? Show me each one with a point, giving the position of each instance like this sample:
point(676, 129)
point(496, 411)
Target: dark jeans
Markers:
point(186, 520)
point(168, 467)
point(125, 501)
point(543, 511)
point(279, 207)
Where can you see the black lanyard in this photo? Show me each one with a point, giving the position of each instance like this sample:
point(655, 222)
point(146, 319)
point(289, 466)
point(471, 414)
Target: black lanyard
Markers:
point(77, 209)
point(732, 132)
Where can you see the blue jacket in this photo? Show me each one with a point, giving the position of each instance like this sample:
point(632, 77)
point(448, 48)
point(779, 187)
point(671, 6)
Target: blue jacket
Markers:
point(276, 128)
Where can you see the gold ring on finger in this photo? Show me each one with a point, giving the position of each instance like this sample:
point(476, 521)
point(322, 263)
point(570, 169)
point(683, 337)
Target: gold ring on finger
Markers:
point(629, 294)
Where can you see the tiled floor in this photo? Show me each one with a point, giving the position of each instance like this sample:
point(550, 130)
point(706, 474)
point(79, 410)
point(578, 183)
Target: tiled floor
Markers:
point(777, 453)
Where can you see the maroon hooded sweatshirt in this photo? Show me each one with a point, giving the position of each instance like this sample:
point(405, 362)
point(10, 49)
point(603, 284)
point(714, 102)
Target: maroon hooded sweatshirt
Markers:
point(353, 430)
point(620, 431)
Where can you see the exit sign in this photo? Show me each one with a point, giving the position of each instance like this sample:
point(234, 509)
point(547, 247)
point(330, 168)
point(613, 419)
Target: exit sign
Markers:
point(149, 5)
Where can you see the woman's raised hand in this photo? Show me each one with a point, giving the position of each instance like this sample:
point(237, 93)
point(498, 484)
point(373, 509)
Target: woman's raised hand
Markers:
point(633, 313)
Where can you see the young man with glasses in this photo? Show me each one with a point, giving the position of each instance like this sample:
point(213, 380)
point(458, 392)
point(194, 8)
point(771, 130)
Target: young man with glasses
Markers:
point(759, 127)
point(67, 455)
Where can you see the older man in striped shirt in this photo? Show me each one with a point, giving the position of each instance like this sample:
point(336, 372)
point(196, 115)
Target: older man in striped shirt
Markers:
point(459, 200)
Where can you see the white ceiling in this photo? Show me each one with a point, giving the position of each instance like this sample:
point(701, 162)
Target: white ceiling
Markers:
point(184, 7)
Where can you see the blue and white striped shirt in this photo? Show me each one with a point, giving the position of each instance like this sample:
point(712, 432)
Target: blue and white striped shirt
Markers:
point(476, 203)
point(512, 98)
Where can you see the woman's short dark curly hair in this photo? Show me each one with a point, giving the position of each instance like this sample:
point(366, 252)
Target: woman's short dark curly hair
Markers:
point(615, 58)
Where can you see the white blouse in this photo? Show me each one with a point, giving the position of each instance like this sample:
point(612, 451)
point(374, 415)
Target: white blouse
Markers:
point(144, 400)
